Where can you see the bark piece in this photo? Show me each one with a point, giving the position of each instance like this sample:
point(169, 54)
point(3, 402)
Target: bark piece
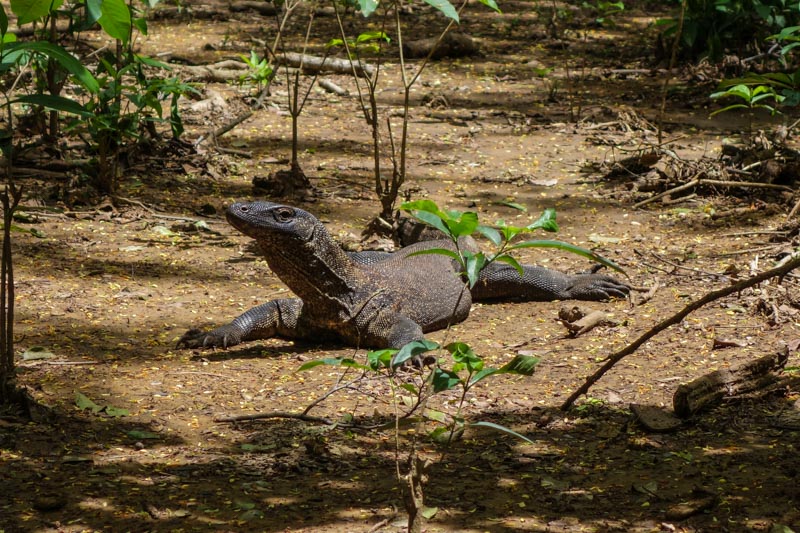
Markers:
point(579, 320)
point(712, 388)
point(655, 419)
point(454, 44)
point(331, 87)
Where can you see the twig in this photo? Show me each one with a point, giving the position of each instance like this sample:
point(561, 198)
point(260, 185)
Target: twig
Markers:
point(750, 250)
point(695, 270)
point(385, 522)
point(648, 295)
point(60, 363)
point(616, 357)
point(721, 183)
point(130, 201)
point(233, 151)
point(757, 232)
point(687, 185)
point(279, 414)
point(794, 210)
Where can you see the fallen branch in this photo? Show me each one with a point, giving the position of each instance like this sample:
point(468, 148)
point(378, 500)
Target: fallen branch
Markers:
point(221, 72)
point(720, 183)
point(278, 414)
point(579, 320)
point(325, 64)
point(616, 357)
point(331, 87)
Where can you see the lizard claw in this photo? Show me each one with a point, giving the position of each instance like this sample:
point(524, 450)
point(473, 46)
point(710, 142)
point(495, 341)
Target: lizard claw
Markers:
point(216, 338)
point(597, 287)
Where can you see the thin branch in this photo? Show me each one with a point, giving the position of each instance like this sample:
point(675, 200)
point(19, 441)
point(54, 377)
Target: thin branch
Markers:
point(616, 357)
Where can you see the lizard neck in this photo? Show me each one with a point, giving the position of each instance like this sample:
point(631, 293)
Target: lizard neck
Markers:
point(315, 270)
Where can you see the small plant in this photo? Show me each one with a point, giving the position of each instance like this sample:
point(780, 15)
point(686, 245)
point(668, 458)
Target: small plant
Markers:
point(260, 72)
point(751, 98)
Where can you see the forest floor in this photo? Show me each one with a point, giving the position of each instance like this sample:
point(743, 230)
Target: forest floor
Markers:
point(105, 293)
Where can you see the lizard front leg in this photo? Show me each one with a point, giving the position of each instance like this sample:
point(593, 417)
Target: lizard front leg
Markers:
point(274, 318)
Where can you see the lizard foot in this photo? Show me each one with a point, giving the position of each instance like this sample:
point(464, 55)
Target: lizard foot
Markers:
point(223, 337)
point(597, 287)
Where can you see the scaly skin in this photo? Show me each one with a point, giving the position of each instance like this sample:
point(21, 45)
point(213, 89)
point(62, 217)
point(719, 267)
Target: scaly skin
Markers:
point(372, 300)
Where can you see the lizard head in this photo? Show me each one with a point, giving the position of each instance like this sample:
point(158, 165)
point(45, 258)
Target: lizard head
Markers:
point(271, 222)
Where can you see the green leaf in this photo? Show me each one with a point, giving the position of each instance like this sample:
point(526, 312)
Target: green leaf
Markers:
point(444, 380)
point(83, 402)
point(3, 21)
point(381, 358)
point(724, 109)
point(742, 91)
point(464, 225)
point(140, 24)
point(509, 232)
point(116, 412)
point(57, 103)
point(30, 10)
point(94, 9)
point(475, 263)
point(435, 220)
point(368, 36)
point(462, 352)
point(438, 416)
point(421, 205)
point(116, 19)
point(333, 361)
point(490, 4)
point(490, 233)
point(62, 57)
point(583, 252)
point(547, 221)
point(483, 374)
point(514, 205)
point(523, 365)
point(504, 429)
point(445, 7)
point(413, 349)
point(368, 7)
point(409, 387)
point(509, 260)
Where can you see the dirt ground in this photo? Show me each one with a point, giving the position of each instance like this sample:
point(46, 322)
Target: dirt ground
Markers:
point(108, 293)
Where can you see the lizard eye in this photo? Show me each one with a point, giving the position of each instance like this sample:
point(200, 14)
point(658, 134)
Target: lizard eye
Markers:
point(284, 214)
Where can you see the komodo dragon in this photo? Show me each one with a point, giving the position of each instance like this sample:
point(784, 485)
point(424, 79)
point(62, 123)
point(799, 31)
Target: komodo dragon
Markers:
point(372, 300)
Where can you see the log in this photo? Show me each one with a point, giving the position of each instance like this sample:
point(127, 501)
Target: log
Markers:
point(331, 87)
point(454, 44)
point(712, 388)
point(266, 9)
point(315, 64)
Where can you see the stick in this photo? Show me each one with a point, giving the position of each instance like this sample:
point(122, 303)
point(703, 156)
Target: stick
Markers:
point(720, 183)
point(679, 188)
point(616, 357)
point(277, 414)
